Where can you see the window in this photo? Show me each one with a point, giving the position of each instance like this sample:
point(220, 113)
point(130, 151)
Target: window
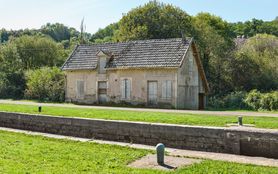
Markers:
point(102, 64)
point(126, 88)
point(167, 89)
point(80, 86)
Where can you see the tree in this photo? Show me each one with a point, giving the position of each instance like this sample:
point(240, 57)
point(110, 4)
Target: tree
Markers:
point(154, 20)
point(57, 31)
point(12, 82)
point(255, 66)
point(255, 26)
point(106, 34)
point(83, 37)
point(37, 51)
point(4, 35)
point(215, 41)
point(45, 84)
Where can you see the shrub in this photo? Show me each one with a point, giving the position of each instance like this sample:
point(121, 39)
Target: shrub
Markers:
point(253, 99)
point(45, 84)
point(12, 85)
point(234, 100)
point(269, 101)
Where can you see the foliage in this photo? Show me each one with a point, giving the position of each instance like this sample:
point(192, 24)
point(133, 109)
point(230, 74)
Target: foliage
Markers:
point(254, 100)
point(105, 35)
point(12, 80)
point(59, 32)
point(214, 38)
point(255, 26)
point(255, 64)
point(154, 20)
point(233, 100)
point(36, 51)
point(45, 84)
point(150, 117)
point(263, 101)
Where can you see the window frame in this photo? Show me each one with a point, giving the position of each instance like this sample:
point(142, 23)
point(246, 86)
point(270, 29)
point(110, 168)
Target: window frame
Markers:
point(126, 95)
point(78, 94)
point(167, 90)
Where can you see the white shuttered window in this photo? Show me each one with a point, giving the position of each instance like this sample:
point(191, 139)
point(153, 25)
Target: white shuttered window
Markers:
point(167, 89)
point(80, 87)
point(126, 88)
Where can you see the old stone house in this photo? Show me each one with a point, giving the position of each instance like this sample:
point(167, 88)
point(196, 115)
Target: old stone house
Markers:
point(159, 73)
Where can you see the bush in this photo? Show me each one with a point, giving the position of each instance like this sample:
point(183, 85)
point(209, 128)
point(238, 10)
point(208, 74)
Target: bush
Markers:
point(269, 101)
point(45, 84)
point(12, 85)
point(234, 100)
point(253, 99)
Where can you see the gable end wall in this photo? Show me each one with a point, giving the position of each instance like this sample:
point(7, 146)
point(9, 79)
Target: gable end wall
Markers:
point(188, 83)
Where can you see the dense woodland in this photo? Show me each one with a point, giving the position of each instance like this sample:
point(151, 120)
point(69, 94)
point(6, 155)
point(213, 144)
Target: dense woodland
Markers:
point(240, 59)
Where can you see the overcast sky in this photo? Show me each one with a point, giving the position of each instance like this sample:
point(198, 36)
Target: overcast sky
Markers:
point(20, 14)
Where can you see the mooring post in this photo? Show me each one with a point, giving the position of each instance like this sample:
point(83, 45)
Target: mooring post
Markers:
point(40, 108)
point(160, 149)
point(240, 121)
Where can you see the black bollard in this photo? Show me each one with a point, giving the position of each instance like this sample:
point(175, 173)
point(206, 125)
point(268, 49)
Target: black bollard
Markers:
point(40, 108)
point(240, 123)
point(160, 148)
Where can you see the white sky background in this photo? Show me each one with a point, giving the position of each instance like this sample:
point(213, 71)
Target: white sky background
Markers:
point(20, 14)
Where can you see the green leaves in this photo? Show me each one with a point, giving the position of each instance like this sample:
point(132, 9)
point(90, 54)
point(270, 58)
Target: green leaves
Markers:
point(154, 20)
point(45, 84)
point(257, 62)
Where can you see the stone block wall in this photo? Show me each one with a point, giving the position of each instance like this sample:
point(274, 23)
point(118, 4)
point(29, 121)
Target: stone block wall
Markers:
point(252, 142)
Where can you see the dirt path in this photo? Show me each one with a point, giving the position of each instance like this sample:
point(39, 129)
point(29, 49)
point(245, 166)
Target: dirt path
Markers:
point(172, 152)
point(217, 113)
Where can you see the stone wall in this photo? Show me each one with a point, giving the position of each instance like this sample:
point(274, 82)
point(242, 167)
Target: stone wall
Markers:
point(253, 142)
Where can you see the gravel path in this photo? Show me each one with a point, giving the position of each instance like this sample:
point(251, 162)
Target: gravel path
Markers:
point(172, 152)
point(217, 113)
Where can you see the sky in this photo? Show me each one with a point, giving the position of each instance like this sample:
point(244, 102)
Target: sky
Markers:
point(21, 14)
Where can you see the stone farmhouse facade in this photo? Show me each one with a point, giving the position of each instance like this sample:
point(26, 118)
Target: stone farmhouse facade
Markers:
point(165, 73)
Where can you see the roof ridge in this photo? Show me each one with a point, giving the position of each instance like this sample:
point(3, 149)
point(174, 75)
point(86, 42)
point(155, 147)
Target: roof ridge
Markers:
point(134, 41)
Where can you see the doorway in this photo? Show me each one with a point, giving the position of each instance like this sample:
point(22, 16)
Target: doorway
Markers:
point(102, 92)
point(201, 101)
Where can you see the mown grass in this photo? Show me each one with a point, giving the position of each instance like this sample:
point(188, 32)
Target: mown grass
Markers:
point(154, 117)
point(22, 153)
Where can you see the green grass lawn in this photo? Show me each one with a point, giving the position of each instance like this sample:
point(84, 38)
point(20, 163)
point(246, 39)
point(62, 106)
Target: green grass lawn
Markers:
point(133, 106)
point(22, 153)
point(154, 117)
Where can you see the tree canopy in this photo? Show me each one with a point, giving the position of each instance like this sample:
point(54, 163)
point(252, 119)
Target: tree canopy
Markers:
point(154, 20)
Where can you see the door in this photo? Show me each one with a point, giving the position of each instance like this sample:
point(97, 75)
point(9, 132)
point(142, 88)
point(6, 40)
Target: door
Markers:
point(201, 101)
point(152, 92)
point(102, 92)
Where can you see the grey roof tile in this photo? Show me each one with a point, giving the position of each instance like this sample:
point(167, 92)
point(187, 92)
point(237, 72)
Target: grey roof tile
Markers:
point(133, 54)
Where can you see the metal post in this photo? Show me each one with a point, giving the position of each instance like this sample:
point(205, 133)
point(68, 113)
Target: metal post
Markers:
point(160, 149)
point(40, 108)
point(240, 123)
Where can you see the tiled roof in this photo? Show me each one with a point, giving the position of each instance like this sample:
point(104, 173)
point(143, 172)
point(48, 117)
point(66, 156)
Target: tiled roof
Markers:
point(133, 54)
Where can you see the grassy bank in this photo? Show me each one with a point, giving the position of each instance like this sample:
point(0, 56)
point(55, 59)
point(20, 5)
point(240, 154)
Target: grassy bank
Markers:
point(154, 117)
point(22, 153)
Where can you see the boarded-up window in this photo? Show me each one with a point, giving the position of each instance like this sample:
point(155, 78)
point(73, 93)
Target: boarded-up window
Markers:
point(126, 88)
point(102, 64)
point(80, 86)
point(167, 89)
